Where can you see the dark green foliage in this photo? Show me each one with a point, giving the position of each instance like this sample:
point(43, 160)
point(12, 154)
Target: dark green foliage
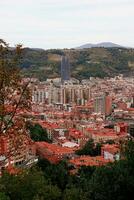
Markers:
point(3, 196)
point(90, 149)
point(73, 194)
point(115, 181)
point(57, 174)
point(129, 152)
point(56, 51)
point(29, 185)
point(86, 171)
point(97, 150)
point(37, 133)
point(112, 182)
point(82, 58)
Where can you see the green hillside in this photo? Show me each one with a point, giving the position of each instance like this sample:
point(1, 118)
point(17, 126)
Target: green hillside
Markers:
point(99, 62)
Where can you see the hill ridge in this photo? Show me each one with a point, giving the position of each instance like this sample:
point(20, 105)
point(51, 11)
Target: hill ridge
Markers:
point(100, 44)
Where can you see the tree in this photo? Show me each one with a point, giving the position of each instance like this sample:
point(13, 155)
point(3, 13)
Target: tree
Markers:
point(57, 174)
point(114, 181)
point(97, 149)
point(90, 149)
point(3, 196)
point(14, 96)
point(73, 194)
point(87, 149)
point(129, 151)
point(31, 184)
point(37, 133)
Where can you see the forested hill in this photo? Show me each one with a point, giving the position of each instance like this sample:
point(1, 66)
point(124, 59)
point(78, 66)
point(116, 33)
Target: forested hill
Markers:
point(99, 62)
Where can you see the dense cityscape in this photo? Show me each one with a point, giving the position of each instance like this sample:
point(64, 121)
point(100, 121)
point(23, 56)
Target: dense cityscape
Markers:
point(72, 113)
point(66, 100)
point(62, 122)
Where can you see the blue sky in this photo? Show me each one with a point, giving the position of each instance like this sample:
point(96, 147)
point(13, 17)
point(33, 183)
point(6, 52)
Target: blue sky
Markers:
point(66, 23)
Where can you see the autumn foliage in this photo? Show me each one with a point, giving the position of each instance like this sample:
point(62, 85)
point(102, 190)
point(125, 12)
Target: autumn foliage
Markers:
point(14, 95)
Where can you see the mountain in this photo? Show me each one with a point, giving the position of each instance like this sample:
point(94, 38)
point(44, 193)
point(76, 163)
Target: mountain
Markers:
point(102, 44)
point(96, 62)
point(37, 49)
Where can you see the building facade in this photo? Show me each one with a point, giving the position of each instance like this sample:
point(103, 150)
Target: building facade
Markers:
point(65, 69)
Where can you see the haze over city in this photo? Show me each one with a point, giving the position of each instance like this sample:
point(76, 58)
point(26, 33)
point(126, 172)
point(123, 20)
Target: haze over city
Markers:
point(66, 23)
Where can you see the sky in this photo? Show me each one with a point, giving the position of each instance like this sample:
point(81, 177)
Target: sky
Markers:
point(66, 23)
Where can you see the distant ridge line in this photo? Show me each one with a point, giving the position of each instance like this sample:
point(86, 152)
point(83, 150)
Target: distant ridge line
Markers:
point(102, 44)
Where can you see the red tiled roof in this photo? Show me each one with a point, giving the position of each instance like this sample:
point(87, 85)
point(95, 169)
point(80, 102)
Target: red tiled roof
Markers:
point(113, 149)
point(53, 148)
point(75, 133)
point(88, 161)
point(13, 170)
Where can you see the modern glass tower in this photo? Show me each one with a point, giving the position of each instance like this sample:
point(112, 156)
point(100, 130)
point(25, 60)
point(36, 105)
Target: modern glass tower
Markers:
point(65, 69)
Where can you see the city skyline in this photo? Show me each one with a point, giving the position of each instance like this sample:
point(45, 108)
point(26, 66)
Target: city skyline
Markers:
point(66, 24)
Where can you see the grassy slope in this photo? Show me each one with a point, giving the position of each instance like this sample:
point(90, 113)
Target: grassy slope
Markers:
point(84, 63)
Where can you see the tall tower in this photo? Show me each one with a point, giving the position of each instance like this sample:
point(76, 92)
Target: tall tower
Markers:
point(65, 69)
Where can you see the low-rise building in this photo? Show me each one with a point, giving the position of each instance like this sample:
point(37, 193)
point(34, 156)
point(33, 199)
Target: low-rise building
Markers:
point(88, 161)
point(110, 152)
point(53, 152)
